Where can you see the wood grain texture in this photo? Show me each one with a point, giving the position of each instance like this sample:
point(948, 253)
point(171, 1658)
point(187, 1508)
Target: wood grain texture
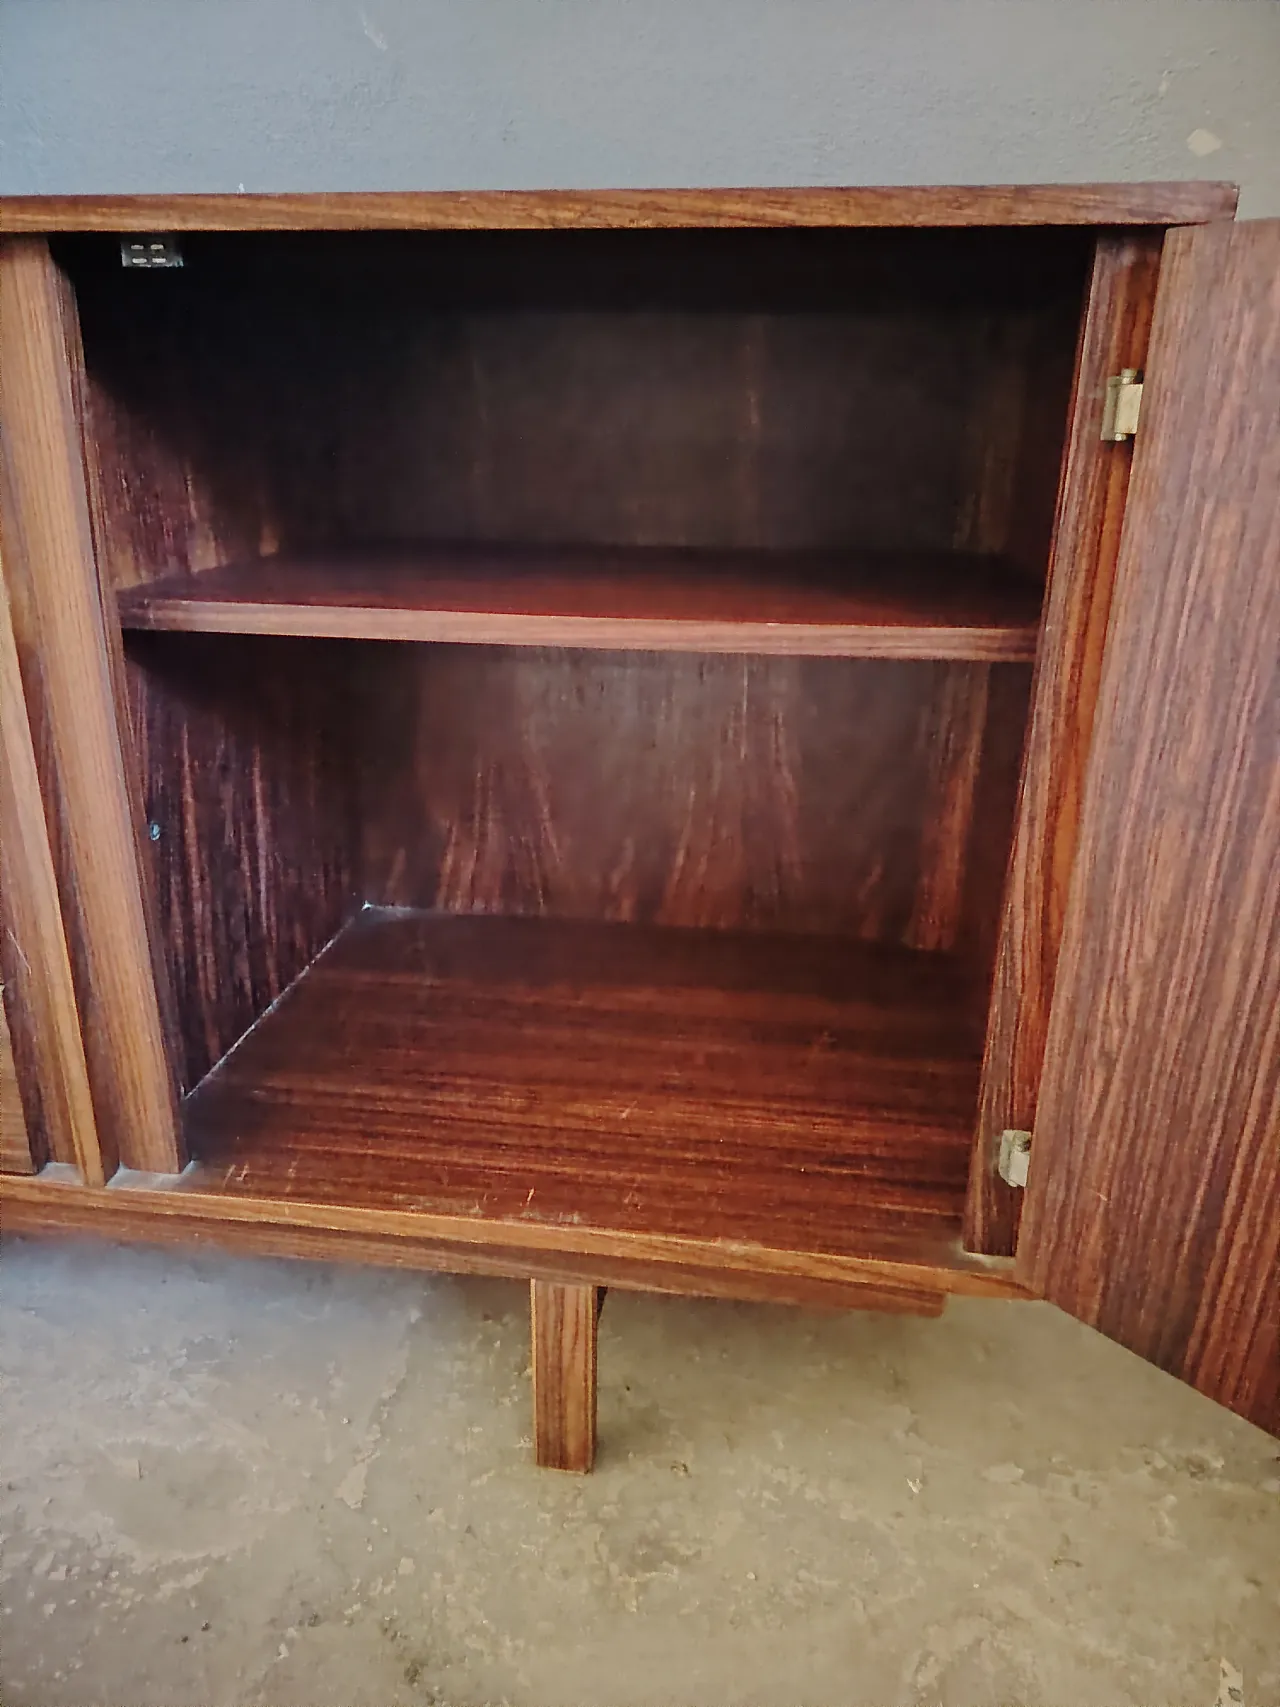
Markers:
point(15, 1147)
point(35, 967)
point(983, 857)
point(96, 492)
point(1153, 1205)
point(251, 760)
point(730, 391)
point(987, 204)
point(745, 793)
point(564, 1343)
point(1091, 508)
point(1049, 362)
point(776, 1091)
point(1017, 422)
point(99, 881)
point(161, 1209)
point(948, 606)
point(288, 781)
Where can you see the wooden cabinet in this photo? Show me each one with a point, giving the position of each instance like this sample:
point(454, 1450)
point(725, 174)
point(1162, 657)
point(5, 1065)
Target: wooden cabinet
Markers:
point(629, 739)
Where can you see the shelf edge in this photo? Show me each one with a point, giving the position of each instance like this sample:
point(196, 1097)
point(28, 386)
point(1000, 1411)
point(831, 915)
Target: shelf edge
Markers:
point(1013, 645)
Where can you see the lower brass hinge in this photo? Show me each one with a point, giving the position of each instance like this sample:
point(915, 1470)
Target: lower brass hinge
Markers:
point(1015, 1152)
point(1123, 405)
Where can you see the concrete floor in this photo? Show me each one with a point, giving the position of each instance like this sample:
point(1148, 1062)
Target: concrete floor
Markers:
point(228, 1482)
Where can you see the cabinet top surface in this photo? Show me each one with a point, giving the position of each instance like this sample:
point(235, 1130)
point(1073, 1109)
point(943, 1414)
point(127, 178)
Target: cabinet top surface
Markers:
point(985, 204)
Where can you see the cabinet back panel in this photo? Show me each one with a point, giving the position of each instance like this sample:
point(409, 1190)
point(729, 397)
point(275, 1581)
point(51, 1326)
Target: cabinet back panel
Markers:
point(797, 389)
point(757, 389)
point(288, 781)
point(733, 792)
point(249, 775)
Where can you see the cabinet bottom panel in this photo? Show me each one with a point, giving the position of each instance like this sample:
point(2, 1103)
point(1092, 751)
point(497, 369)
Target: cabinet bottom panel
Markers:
point(806, 1093)
point(726, 1114)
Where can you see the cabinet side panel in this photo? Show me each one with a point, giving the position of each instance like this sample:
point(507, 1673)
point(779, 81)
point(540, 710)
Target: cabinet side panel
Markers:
point(1114, 335)
point(727, 792)
point(1017, 427)
point(986, 862)
point(250, 768)
point(1153, 1203)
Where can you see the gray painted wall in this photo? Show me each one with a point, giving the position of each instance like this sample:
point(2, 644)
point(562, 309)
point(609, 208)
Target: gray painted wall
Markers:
point(119, 95)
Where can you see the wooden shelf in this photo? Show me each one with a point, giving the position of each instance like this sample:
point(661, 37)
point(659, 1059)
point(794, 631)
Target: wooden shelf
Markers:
point(918, 605)
point(804, 1094)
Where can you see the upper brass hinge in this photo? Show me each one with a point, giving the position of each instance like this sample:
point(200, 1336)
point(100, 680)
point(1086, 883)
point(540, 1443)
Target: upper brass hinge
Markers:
point(1123, 405)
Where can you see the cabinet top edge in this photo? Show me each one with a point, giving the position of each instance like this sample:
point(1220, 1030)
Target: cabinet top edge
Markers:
point(1189, 203)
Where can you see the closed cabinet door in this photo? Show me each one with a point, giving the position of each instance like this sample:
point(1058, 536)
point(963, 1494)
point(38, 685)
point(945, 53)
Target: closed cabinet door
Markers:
point(1153, 1199)
point(46, 1108)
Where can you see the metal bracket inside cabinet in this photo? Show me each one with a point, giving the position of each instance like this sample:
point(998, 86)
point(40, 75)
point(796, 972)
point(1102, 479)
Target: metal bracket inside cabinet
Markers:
point(150, 252)
point(1015, 1152)
point(1122, 406)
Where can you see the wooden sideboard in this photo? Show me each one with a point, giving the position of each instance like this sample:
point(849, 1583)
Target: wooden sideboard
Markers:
point(718, 742)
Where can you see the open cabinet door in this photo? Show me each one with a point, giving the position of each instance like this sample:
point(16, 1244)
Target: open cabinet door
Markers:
point(1153, 1202)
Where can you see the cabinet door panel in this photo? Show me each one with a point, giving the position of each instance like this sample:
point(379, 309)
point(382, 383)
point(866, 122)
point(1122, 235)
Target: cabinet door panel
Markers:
point(1153, 1204)
point(41, 1049)
point(69, 674)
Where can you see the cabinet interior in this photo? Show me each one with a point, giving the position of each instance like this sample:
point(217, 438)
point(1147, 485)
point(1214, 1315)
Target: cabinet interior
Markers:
point(580, 681)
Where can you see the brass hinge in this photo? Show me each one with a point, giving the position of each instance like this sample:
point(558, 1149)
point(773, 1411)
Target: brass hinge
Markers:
point(1123, 405)
point(1015, 1152)
point(149, 252)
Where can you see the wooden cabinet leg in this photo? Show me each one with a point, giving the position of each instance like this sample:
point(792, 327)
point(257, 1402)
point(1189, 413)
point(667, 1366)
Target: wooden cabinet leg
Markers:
point(564, 1374)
